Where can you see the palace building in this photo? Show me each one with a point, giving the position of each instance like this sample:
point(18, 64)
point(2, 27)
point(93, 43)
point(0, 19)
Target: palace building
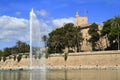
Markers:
point(82, 22)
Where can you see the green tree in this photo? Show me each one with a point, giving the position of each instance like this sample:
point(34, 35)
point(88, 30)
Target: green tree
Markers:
point(44, 38)
point(4, 58)
point(22, 47)
point(65, 56)
point(1, 53)
point(19, 57)
point(93, 32)
point(14, 57)
point(7, 52)
point(67, 36)
point(111, 29)
point(56, 41)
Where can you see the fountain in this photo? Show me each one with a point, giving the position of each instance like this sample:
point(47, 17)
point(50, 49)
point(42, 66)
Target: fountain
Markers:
point(37, 55)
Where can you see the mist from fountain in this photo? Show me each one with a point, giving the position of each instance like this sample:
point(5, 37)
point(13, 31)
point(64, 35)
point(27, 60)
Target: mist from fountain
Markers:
point(37, 55)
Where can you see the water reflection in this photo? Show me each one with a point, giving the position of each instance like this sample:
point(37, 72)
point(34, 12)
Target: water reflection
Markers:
point(61, 75)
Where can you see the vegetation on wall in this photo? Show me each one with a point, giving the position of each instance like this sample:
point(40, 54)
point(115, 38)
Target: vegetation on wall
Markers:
point(19, 57)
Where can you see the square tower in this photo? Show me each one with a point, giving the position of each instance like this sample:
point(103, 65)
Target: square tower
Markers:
point(81, 20)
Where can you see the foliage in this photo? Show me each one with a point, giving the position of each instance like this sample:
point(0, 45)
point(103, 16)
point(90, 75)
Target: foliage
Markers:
point(4, 58)
point(19, 57)
point(1, 53)
point(67, 36)
point(65, 56)
point(20, 47)
point(93, 32)
point(70, 51)
point(10, 57)
point(44, 38)
point(0, 58)
point(46, 55)
point(111, 29)
point(14, 57)
point(26, 56)
point(7, 52)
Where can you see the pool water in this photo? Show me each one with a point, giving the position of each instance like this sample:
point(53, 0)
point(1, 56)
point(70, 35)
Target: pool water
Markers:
point(61, 75)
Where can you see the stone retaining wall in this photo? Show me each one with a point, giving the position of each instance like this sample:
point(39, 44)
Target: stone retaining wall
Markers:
point(102, 59)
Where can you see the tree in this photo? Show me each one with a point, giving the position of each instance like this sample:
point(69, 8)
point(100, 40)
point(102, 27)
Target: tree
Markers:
point(22, 47)
point(44, 38)
point(93, 32)
point(56, 41)
point(14, 57)
point(7, 52)
point(19, 57)
point(4, 58)
point(67, 36)
point(111, 29)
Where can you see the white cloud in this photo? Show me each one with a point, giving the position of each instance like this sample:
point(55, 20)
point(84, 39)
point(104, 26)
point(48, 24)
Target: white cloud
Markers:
point(12, 28)
point(18, 13)
point(42, 12)
point(61, 21)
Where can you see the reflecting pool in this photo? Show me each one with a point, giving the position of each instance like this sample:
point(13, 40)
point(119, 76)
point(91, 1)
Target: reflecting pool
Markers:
point(61, 75)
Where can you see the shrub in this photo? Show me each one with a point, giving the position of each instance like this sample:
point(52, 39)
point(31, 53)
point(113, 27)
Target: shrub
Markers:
point(65, 56)
point(10, 57)
point(35, 57)
point(4, 58)
point(0, 58)
point(14, 57)
point(70, 51)
point(46, 55)
point(40, 55)
point(19, 58)
point(26, 56)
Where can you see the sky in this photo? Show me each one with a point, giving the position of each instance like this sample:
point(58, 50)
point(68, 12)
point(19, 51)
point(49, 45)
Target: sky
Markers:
point(14, 15)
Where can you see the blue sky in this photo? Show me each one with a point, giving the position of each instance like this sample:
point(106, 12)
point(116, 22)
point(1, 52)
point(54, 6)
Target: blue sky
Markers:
point(14, 15)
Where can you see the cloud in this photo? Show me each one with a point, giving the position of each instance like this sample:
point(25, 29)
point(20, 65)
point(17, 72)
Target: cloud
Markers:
point(61, 21)
point(18, 13)
point(42, 12)
point(13, 29)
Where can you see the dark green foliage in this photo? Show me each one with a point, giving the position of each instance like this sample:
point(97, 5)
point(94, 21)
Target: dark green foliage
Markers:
point(0, 58)
point(19, 57)
point(46, 55)
point(67, 36)
point(65, 56)
point(111, 29)
point(35, 57)
point(26, 56)
point(10, 57)
point(93, 32)
point(70, 51)
point(7, 52)
point(20, 47)
point(44, 38)
point(1, 53)
point(4, 58)
point(14, 57)
point(40, 55)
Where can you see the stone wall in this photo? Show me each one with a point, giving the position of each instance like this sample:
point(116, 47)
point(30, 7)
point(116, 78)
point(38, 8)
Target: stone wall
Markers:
point(81, 60)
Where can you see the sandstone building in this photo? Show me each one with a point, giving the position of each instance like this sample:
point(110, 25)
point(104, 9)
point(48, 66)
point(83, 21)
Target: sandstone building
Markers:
point(82, 22)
